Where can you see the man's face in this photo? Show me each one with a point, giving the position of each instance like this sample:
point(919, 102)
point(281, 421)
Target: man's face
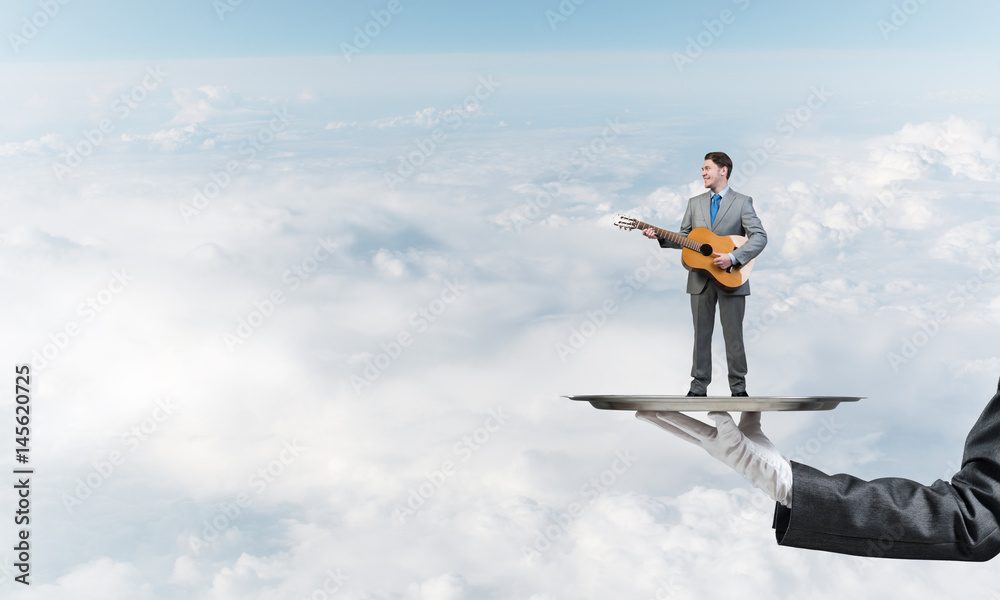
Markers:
point(715, 176)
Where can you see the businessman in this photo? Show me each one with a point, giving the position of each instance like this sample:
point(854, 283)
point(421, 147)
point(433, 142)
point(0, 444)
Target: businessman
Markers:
point(890, 517)
point(724, 212)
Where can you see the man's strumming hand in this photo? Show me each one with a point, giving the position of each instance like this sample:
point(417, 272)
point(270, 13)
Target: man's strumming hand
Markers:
point(722, 260)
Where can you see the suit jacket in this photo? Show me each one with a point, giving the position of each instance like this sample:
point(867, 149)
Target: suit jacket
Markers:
point(899, 518)
point(736, 216)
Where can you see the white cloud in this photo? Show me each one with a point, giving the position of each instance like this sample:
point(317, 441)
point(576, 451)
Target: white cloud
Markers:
point(186, 571)
point(443, 587)
point(175, 138)
point(388, 265)
point(802, 240)
point(340, 124)
point(203, 103)
point(425, 118)
point(102, 578)
point(309, 96)
point(47, 144)
point(834, 295)
point(964, 148)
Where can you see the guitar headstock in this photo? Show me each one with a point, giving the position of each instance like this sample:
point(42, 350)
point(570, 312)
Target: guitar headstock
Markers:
point(627, 223)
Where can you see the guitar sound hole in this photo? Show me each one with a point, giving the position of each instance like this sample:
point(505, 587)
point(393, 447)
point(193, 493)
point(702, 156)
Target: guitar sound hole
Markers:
point(705, 250)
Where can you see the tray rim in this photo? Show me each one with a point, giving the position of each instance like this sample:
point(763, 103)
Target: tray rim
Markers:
point(587, 397)
point(712, 403)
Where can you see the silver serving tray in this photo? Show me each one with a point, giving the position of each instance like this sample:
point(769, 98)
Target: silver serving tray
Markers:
point(710, 403)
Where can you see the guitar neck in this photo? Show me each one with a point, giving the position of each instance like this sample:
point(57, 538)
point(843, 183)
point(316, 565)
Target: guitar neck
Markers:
point(676, 238)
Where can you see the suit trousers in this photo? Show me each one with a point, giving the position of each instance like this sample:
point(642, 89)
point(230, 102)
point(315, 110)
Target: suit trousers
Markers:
point(731, 310)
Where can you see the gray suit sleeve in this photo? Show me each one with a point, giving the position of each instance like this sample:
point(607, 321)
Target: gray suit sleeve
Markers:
point(899, 518)
point(687, 224)
point(755, 234)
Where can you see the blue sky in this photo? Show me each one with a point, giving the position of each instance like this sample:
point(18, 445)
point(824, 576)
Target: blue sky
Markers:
point(193, 28)
point(333, 215)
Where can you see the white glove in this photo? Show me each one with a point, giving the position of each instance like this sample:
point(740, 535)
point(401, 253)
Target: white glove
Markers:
point(745, 448)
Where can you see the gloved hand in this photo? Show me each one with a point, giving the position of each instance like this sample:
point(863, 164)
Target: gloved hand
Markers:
point(745, 448)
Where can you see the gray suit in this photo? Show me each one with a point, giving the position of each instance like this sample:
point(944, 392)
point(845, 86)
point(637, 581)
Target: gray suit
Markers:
point(736, 216)
point(899, 518)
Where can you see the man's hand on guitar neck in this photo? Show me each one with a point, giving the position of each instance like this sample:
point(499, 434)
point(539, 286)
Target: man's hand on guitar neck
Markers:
point(650, 233)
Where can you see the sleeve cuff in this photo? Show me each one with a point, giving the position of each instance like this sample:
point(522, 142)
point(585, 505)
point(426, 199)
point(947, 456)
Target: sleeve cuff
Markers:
point(782, 515)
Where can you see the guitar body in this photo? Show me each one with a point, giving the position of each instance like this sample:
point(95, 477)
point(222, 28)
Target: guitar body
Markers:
point(697, 250)
point(694, 260)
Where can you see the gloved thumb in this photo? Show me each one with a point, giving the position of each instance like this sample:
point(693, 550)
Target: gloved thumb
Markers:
point(726, 427)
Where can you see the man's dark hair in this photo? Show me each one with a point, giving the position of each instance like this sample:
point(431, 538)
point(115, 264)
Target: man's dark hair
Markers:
point(721, 159)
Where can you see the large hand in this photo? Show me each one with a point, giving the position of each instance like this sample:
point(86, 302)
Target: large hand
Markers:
point(745, 448)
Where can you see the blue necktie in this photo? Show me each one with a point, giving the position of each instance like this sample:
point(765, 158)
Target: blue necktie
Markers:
point(715, 206)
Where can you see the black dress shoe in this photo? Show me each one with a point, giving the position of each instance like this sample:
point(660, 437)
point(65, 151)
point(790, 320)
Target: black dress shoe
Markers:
point(694, 395)
point(740, 395)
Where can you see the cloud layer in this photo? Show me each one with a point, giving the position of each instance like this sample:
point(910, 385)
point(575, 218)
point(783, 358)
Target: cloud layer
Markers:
point(290, 378)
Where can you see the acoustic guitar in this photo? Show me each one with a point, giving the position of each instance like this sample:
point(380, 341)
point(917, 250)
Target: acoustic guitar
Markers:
point(697, 251)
